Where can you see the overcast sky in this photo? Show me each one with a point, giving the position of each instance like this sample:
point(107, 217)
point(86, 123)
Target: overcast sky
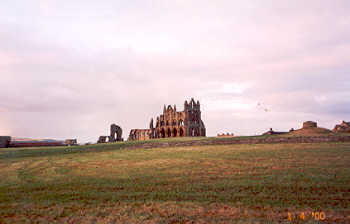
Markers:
point(68, 69)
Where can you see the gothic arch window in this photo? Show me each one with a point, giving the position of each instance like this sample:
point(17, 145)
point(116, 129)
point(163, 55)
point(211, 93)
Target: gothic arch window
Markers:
point(169, 132)
point(167, 123)
point(181, 123)
point(174, 123)
point(193, 117)
point(196, 132)
point(162, 133)
point(174, 132)
point(181, 132)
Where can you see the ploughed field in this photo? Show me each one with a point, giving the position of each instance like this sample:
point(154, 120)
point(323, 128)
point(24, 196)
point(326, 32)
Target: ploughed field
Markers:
point(111, 183)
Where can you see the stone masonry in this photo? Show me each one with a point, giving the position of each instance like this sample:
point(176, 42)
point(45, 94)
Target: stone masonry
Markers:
point(115, 135)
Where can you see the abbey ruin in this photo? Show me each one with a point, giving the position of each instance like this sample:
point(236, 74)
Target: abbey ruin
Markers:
point(173, 123)
point(115, 135)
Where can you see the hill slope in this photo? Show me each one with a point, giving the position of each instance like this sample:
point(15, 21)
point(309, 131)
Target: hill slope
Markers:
point(311, 132)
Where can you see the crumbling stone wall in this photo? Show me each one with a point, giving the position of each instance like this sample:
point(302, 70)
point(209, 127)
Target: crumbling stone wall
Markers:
point(140, 134)
point(116, 133)
point(103, 139)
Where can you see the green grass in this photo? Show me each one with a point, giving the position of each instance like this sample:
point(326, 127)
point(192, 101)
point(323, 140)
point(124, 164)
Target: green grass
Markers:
point(8, 153)
point(203, 184)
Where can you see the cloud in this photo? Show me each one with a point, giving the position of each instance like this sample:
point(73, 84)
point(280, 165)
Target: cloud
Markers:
point(69, 69)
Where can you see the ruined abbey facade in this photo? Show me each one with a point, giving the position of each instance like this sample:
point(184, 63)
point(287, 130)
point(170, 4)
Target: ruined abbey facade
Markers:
point(173, 123)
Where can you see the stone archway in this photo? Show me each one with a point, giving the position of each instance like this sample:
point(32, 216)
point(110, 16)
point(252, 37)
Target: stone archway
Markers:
point(174, 132)
point(169, 133)
point(181, 132)
point(196, 132)
point(115, 134)
point(162, 133)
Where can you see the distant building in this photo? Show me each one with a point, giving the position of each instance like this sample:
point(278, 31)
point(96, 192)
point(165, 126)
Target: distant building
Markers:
point(173, 123)
point(227, 135)
point(71, 142)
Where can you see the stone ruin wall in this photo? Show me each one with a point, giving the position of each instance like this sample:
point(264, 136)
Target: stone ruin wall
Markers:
point(116, 133)
point(140, 134)
point(171, 124)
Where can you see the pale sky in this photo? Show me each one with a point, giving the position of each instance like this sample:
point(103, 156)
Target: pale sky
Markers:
point(68, 69)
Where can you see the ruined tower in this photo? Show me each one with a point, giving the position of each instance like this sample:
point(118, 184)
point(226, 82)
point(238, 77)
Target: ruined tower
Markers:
point(193, 121)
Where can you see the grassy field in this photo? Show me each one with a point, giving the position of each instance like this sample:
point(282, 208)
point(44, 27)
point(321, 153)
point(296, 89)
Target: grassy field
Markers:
point(265, 183)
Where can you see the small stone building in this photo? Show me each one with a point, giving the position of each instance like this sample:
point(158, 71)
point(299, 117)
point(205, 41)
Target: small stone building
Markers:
point(310, 124)
point(173, 123)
